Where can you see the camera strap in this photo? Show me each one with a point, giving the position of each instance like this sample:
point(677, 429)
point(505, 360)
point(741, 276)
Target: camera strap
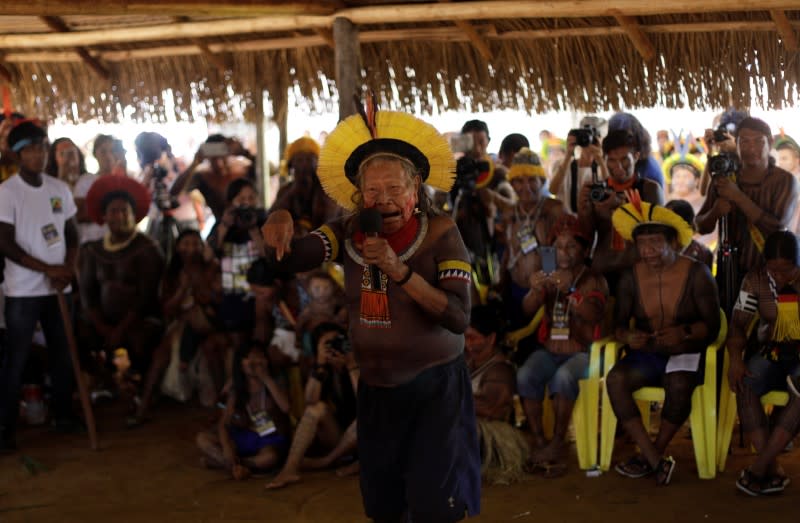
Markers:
point(574, 186)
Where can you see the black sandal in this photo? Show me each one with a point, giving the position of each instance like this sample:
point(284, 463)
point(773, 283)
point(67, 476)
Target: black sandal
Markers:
point(636, 467)
point(750, 484)
point(664, 470)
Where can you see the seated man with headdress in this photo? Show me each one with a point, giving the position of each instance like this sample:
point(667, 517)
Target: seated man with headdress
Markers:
point(120, 274)
point(695, 249)
point(769, 296)
point(503, 447)
point(574, 300)
point(666, 314)
point(407, 286)
point(303, 197)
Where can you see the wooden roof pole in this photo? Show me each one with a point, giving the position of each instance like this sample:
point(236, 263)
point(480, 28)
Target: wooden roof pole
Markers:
point(785, 29)
point(468, 10)
point(216, 60)
point(57, 24)
point(443, 34)
point(634, 31)
point(327, 37)
point(348, 64)
point(477, 41)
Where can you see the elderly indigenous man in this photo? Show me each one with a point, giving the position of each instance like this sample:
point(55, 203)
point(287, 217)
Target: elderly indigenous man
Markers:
point(120, 274)
point(407, 286)
point(612, 255)
point(758, 200)
point(304, 197)
point(503, 448)
point(770, 294)
point(673, 303)
point(528, 226)
point(39, 240)
point(574, 300)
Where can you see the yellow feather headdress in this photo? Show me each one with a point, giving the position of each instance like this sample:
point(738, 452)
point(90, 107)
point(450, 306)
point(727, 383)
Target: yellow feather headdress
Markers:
point(373, 132)
point(525, 163)
point(301, 145)
point(632, 215)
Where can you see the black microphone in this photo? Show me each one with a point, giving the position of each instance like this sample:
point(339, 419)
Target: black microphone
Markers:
point(370, 222)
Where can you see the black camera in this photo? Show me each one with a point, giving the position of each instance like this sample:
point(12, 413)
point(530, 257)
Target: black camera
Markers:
point(467, 172)
point(246, 217)
point(585, 136)
point(721, 131)
point(340, 344)
point(723, 164)
point(161, 195)
point(598, 192)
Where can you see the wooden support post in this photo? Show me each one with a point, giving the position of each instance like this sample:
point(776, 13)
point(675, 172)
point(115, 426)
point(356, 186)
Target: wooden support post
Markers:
point(262, 164)
point(785, 29)
point(348, 64)
point(639, 39)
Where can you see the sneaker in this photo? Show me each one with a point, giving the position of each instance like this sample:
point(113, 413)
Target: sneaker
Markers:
point(636, 467)
point(794, 385)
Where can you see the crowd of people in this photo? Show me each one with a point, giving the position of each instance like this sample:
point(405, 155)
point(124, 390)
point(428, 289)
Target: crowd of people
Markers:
point(364, 317)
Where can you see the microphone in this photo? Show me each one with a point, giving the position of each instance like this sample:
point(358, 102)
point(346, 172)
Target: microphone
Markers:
point(370, 222)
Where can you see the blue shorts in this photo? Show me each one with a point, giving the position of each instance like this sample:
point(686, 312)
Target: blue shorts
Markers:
point(559, 373)
point(249, 443)
point(418, 447)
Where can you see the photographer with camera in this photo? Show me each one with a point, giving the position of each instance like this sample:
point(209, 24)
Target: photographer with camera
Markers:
point(212, 170)
point(330, 415)
point(756, 197)
point(598, 200)
point(237, 243)
point(475, 203)
point(582, 169)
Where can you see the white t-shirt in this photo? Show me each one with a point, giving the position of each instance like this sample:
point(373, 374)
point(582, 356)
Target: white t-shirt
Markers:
point(87, 232)
point(565, 194)
point(38, 215)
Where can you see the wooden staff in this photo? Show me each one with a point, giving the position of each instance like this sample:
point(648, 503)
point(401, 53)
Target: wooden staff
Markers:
point(86, 405)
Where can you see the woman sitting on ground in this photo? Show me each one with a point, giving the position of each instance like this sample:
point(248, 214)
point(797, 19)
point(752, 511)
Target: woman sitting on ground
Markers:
point(253, 432)
point(770, 294)
point(191, 288)
point(330, 413)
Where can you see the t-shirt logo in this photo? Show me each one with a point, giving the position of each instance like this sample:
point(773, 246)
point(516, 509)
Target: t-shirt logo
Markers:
point(57, 205)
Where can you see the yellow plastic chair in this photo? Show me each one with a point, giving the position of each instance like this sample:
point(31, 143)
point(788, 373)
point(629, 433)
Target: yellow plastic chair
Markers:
point(585, 413)
point(703, 416)
point(727, 418)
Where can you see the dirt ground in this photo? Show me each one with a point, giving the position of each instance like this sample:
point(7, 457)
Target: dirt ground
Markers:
point(153, 474)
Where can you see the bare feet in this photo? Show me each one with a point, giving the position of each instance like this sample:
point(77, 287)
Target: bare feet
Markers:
point(315, 463)
point(283, 479)
point(349, 470)
point(553, 451)
point(240, 472)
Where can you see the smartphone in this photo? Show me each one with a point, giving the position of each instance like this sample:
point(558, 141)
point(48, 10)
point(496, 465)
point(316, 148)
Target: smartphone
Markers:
point(214, 149)
point(548, 255)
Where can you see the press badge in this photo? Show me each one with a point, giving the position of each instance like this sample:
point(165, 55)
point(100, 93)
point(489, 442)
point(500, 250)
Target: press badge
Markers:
point(262, 423)
point(50, 235)
point(560, 328)
point(527, 239)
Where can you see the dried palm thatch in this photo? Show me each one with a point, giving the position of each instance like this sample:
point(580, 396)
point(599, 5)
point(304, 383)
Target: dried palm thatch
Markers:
point(536, 65)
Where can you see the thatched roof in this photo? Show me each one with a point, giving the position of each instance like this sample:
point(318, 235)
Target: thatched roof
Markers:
point(530, 55)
